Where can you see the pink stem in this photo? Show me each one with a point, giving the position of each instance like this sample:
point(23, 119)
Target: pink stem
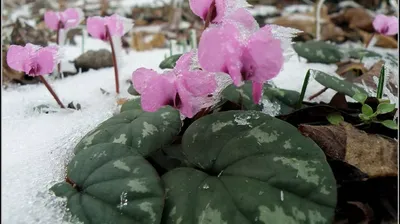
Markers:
point(43, 80)
point(114, 60)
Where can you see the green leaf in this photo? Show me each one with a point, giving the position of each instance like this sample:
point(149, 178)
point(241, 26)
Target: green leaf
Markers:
point(360, 97)
point(341, 86)
point(286, 99)
point(113, 183)
point(367, 110)
point(364, 117)
point(133, 104)
point(335, 118)
point(390, 124)
point(145, 131)
point(170, 62)
point(362, 53)
point(318, 52)
point(132, 91)
point(251, 168)
point(303, 90)
point(385, 108)
point(379, 90)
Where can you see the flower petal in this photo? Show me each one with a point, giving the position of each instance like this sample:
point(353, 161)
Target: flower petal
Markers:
point(220, 50)
point(16, 57)
point(184, 63)
point(115, 25)
point(51, 20)
point(244, 19)
point(46, 59)
point(379, 23)
point(96, 27)
point(72, 17)
point(159, 93)
point(393, 26)
point(141, 78)
point(200, 8)
point(263, 56)
point(198, 83)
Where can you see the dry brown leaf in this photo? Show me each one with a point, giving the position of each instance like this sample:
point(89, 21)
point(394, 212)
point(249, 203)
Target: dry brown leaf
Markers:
point(121, 101)
point(140, 44)
point(368, 77)
point(383, 41)
point(345, 67)
point(354, 18)
point(374, 155)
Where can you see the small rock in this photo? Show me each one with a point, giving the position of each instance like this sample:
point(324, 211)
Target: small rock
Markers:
point(93, 60)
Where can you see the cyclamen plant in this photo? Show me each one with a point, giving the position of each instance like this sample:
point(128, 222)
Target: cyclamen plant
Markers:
point(35, 61)
point(68, 19)
point(385, 25)
point(104, 28)
point(226, 161)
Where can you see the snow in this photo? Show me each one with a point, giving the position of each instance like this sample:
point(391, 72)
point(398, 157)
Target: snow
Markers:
point(36, 147)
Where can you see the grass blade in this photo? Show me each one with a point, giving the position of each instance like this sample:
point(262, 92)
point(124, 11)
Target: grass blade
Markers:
point(379, 92)
point(303, 89)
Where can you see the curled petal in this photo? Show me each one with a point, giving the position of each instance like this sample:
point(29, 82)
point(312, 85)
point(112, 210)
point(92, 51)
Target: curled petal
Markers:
point(244, 19)
point(17, 56)
point(160, 93)
point(386, 25)
point(72, 17)
point(217, 44)
point(51, 20)
point(46, 60)
point(263, 56)
point(118, 25)
point(200, 8)
point(96, 27)
point(141, 78)
point(198, 83)
point(184, 63)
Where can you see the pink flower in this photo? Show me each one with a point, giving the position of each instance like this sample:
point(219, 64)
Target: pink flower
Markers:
point(70, 18)
point(242, 50)
point(182, 88)
point(386, 25)
point(32, 59)
point(223, 8)
point(117, 26)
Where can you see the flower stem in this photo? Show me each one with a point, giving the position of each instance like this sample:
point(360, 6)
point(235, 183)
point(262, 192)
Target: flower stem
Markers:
point(369, 41)
point(114, 60)
point(58, 43)
point(211, 11)
point(43, 80)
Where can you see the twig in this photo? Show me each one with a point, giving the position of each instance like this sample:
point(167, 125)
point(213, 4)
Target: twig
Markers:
point(318, 93)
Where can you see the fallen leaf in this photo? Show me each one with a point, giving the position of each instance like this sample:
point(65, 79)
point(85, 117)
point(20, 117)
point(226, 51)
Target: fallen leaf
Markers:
point(350, 69)
point(373, 154)
point(368, 77)
point(383, 41)
point(121, 101)
point(354, 18)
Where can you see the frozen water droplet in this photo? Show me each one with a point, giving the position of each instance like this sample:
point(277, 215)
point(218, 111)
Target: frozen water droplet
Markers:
point(205, 186)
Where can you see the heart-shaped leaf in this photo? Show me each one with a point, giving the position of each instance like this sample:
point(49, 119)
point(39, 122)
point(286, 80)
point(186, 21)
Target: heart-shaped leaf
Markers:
point(170, 62)
point(284, 99)
point(363, 53)
point(367, 110)
point(318, 52)
point(133, 104)
point(145, 131)
point(341, 86)
point(112, 183)
point(249, 168)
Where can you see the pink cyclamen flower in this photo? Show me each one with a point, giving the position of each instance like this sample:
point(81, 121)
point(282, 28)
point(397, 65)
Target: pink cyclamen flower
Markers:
point(386, 25)
point(223, 8)
point(242, 50)
point(70, 18)
point(182, 88)
point(117, 26)
point(32, 59)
